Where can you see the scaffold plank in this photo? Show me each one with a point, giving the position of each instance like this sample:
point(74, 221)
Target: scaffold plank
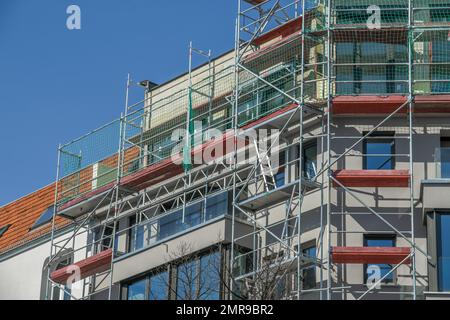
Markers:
point(367, 255)
point(96, 264)
point(372, 178)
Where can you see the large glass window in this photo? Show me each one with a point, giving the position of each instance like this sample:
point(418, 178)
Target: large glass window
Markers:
point(280, 176)
point(259, 99)
point(161, 149)
point(310, 160)
point(152, 287)
point(136, 290)
point(216, 206)
point(159, 286)
point(199, 279)
point(136, 235)
point(388, 73)
point(379, 241)
point(309, 272)
point(143, 234)
point(378, 152)
point(443, 160)
point(171, 224)
point(44, 218)
point(193, 215)
point(443, 251)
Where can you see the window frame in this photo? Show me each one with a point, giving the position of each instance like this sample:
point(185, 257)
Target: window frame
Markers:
point(379, 137)
point(171, 268)
point(439, 241)
point(37, 224)
point(369, 236)
point(4, 229)
point(307, 246)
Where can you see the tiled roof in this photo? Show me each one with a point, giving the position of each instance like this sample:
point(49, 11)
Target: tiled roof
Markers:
point(22, 214)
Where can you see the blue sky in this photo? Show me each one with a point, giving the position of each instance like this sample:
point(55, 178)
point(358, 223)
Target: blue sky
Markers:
point(57, 84)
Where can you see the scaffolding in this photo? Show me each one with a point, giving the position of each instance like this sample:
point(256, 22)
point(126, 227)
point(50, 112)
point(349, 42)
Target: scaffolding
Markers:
point(302, 67)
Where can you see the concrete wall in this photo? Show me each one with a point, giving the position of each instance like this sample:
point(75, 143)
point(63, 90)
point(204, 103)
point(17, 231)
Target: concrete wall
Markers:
point(22, 276)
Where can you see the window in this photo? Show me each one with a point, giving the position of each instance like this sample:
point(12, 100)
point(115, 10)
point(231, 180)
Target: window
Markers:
point(444, 158)
point(259, 99)
point(309, 272)
point(4, 229)
point(443, 251)
point(45, 217)
point(64, 292)
point(152, 287)
point(378, 151)
point(159, 286)
point(193, 215)
point(355, 77)
point(379, 241)
point(280, 176)
point(148, 232)
point(199, 279)
point(216, 206)
point(310, 160)
point(136, 235)
point(161, 149)
point(171, 224)
point(136, 290)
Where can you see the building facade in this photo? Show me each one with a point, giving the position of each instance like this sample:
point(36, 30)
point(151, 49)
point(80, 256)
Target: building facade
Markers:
point(310, 162)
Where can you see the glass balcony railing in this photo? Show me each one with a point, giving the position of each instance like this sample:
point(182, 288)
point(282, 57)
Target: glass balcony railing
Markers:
point(153, 231)
point(442, 162)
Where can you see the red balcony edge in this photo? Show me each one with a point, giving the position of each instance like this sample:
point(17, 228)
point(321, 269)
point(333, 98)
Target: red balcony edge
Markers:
point(255, 2)
point(283, 31)
point(367, 104)
point(439, 103)
point(153, 174)
point(368, 255)
point(254, 55)
point(372, 104)
point(270, 116)
point(88, 267)
point(86, 196)
point(372, 178)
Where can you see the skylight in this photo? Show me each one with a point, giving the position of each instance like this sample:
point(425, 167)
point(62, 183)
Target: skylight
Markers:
point(45, 217)
point(4, 229)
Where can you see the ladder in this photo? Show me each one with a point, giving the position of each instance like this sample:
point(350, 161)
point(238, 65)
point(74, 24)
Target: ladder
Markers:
point(265, 166)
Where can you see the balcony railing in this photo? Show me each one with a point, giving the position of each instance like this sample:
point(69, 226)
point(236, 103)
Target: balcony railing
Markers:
point(442, 163)
point(150, 232)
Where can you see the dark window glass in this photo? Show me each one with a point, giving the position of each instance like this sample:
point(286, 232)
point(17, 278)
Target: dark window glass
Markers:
point(171, 224)
point(378, 152)
point(210, 277)
point(45, 217)
point(309, 272)
point(158, 286)
point(187, 275)
point(443, 251)
point(4, 229)
point(216, 206)
point(136, 234)
point(444, 158)
point(379, 241)
point(103, 237)
point(310, 161)
point(136, 290)
point(193, 215)
point(280, 176)
point(199, 279)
